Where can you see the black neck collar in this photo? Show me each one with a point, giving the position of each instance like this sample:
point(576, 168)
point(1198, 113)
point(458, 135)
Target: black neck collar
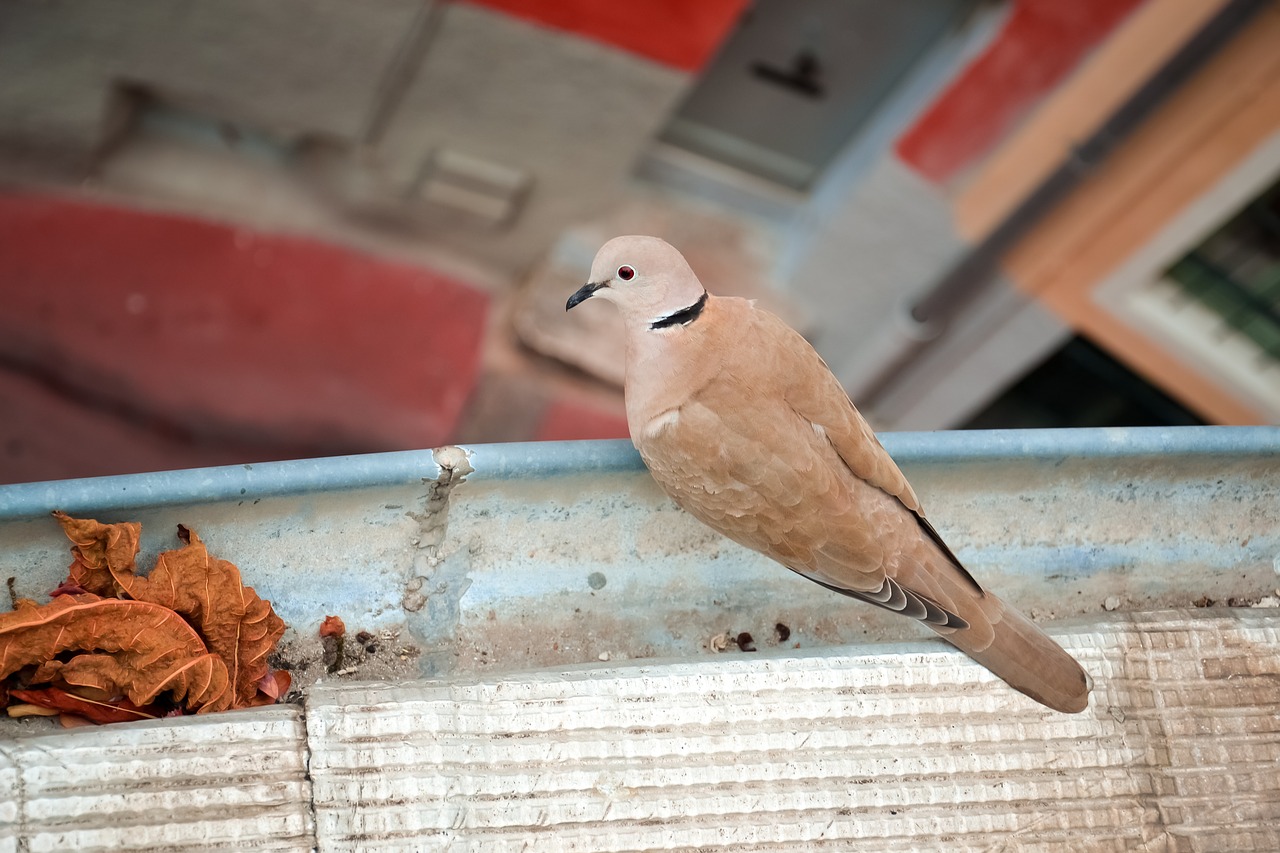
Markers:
point(683, 317)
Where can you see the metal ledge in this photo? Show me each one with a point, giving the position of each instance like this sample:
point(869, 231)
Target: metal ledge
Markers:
point(558, 553)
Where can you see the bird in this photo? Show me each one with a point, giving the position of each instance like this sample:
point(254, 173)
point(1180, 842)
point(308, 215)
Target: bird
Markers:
point(745, 427)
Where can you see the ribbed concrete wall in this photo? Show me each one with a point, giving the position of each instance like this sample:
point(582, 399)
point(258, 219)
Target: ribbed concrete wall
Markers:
point(897, 750)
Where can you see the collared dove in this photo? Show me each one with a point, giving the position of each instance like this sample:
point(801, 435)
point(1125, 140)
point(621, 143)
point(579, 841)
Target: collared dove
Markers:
point(743, 425)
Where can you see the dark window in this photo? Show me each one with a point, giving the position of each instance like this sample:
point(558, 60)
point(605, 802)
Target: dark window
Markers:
point(1081, 385)
point(1235, 273)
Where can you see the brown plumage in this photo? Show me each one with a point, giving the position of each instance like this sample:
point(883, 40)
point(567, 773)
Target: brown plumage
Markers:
point(743, 425)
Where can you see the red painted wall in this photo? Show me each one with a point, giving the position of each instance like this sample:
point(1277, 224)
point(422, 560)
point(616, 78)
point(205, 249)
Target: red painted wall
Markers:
point(229, 334)
point(681, 33)
point(1039, 45)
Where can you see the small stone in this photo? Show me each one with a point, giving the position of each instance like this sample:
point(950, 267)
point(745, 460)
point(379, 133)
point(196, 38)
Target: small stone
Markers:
point(603, 656)
point(1112, 602)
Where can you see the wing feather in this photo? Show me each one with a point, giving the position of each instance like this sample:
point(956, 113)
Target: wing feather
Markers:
point(821, 400)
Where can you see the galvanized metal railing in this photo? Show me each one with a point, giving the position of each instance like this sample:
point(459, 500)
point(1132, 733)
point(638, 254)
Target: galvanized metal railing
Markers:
point(556, 553)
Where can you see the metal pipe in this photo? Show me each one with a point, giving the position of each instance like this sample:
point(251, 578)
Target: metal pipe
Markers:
point(542, 461)
point(969, 276)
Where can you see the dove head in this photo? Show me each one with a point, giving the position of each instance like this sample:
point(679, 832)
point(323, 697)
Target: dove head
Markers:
point(649, 281)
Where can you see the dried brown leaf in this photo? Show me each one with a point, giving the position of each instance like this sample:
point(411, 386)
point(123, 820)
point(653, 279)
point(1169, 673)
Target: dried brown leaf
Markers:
point(272, 686)
point(97, 711)
point(192, 629)
point(100, 551)
point(135, 648)
point(67, 587)
point(236, 624)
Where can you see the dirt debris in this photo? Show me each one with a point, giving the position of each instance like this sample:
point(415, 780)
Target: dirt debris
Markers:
point(1262, 601)
point(373, 656)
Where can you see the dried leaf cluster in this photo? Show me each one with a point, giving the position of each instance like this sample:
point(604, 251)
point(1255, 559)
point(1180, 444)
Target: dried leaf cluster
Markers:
point(113, 646)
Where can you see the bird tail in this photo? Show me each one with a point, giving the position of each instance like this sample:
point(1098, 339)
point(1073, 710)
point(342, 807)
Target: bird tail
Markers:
point(1025, 658)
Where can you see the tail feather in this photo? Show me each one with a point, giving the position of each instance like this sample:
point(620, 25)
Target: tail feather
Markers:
point(1026, 659)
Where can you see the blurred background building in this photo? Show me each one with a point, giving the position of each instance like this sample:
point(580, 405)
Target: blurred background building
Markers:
point(239, 231)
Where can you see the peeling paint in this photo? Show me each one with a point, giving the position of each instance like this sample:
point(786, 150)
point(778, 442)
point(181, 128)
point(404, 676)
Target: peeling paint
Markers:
point(433, 522)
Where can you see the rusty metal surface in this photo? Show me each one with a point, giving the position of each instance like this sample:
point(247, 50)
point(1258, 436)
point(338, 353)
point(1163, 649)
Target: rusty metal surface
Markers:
point(549, 554)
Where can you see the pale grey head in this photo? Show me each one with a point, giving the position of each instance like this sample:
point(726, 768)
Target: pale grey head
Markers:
point(649, 281)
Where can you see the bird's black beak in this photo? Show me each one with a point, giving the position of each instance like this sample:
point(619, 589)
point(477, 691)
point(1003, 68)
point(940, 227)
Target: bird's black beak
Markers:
point(584, 293)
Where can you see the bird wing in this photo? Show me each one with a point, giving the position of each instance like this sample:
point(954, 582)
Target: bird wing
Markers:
point(818, 397)
point(921, 576)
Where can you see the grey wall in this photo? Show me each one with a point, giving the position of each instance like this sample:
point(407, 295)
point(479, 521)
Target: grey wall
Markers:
point(572, 114)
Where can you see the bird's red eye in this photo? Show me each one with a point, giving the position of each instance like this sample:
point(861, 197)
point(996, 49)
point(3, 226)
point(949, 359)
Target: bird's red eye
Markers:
point(626, 273)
